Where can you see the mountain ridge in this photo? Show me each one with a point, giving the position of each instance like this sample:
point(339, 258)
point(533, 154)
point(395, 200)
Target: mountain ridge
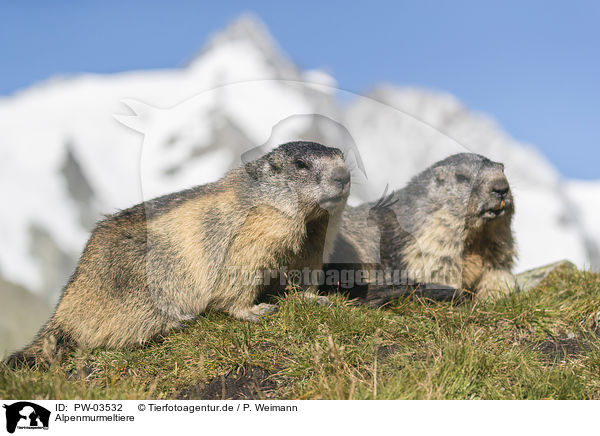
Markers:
point(67, 162)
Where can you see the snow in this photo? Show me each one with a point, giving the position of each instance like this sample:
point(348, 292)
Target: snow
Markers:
point(585, 196)
point(139, 134)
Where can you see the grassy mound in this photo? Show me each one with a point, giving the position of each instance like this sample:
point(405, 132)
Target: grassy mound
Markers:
point(534, 345)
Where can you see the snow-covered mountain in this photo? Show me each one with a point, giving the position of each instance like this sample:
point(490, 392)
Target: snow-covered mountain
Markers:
point(65, 158)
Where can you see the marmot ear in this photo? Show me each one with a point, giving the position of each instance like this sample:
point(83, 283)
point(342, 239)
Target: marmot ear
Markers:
point(275, 164)
point(257, 169)
point(440, 174)
point(253, 169)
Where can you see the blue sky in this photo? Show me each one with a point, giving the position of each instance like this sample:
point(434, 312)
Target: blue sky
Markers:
point(534, 66)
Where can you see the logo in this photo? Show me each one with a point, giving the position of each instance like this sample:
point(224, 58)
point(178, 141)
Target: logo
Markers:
point(26, 415)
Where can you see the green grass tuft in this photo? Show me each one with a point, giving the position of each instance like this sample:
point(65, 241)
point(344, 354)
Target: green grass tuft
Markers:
point(541, 344)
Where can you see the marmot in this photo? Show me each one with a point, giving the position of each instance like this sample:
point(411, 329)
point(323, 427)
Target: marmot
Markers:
point(147, 269)
point(450, 226)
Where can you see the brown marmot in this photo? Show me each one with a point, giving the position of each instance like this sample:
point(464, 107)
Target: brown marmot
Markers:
point(450, 226)
point(147, 269)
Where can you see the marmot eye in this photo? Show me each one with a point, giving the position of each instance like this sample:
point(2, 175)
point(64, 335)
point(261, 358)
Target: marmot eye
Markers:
point(301, 165)
point(462, 178)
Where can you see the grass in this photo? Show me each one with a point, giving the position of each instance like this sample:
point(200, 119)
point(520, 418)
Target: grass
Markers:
point(537, 345)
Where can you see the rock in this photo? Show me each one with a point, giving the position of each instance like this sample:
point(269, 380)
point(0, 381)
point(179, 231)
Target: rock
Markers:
point(532, 278)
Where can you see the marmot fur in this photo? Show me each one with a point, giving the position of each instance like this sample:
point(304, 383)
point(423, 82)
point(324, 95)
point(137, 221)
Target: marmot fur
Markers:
point(451, 225)
point(147, 269)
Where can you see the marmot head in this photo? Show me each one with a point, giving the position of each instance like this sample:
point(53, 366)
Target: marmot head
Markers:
point(473, 186)
point(316, 176)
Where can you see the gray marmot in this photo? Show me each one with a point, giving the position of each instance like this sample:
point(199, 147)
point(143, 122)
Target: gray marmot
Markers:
point(147, 269)
point(450, 226)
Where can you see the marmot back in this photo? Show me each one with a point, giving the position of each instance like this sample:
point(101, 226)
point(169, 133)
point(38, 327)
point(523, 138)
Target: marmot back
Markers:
point(147, 269)
point(450, 226)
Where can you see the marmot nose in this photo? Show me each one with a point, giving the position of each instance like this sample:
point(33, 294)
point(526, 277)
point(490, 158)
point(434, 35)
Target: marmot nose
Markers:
point(341, 175)
point(500, 187)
